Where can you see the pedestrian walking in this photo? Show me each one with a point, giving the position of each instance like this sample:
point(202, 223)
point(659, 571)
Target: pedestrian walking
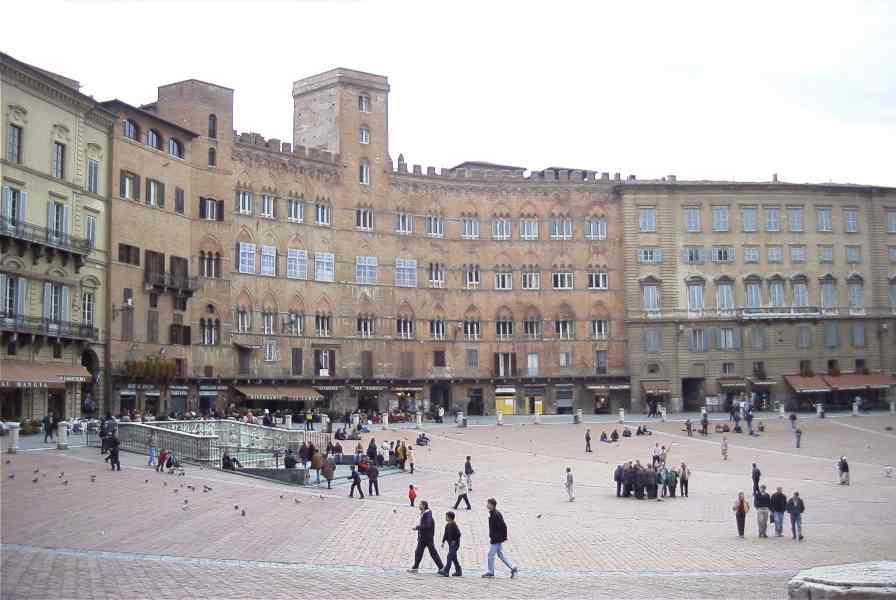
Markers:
point(843, 468)
point(792, 418)
point(724, 448)
point(756, 474)
point(460, 490)
point(685, 478)
point(778, 505)
point(47, 422)
point(113, 445)
point(426, 533)
point(618, 478)
point(356, 483)
point(672, 481)
point(411, 458)
point(741, 508)
point(452, 538)
point(468, 473)
point(704, 423)
point(795, 508)
point(689, 427)
point(763, 502)
point(587, 440)
point(373, 474)
point(569, 485)
point(412, 493)
point(797, 436)
point(497, 535)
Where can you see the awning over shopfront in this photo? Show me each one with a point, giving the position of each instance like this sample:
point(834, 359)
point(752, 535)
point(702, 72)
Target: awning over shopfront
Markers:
point(762, 382)
point(24, 374)
point(855, 381)
point(608, 387)
point(807, 385)
point(370, 388)
point(505, 391)
point(285, 392)
point(729, 383)
point(407, 389)
point(656, 387)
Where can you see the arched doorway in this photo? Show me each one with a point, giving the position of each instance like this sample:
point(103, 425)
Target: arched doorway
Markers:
point(91, 362)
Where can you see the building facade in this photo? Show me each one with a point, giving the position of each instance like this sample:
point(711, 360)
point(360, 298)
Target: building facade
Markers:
point(249, 272)
point(53, 244)
point(779, 290)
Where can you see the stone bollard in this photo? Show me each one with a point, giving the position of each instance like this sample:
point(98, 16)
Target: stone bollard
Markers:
point(13, 437)
point(419, 419)
point(663, 414)
point(819, 410)
point(287, 421)
point(855, 408)
point(500, 416)
point(461, 422)
point(893, 407)
point(537, 418)
point(577, 417)
point(62, 436)
point(622, 415)
point(385, 420)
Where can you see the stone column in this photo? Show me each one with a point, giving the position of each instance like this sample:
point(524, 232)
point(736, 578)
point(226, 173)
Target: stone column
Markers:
point(13, 428)
point(62, 436)
point(385, 419)
point(419, 420)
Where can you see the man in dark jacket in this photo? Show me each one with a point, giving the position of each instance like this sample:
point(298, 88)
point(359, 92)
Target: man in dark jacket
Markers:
point(795, 508)
point(113, 452)
point(617, 477)
point(452, 538)
point(426, 533)
point(587, 440)
point(763, 503)
point(468, 473)
point(373, 480)
point(650, 474)
point(628, 479)
point(497, 535)
point(48, 427)
point(356, 483)
point(640, 482)
point(756, 475)
point(778, 505)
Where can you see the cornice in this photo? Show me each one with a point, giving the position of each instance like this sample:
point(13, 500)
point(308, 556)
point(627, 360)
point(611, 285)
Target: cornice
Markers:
point(253, 156)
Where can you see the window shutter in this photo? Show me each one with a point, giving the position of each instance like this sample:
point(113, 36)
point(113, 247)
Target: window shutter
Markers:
point(736, 335)
point(147, 190)
point(186, 335)
point(513, 364)
point(220, 213)
point(22, 296)
point(161, 195)
point(202, 211)
point(236, 200)
point(3, 279)
point(121, 183)
point(66, 224)
point(274, 207)
point(48, 293)
point(332, 363)
point(497, 364)
point(713, 338)
point(51, 213)
point(66, 304)
point(6, 208)
point(296, 361)
point(692, 344)
point(317, 362)
point(136, 187)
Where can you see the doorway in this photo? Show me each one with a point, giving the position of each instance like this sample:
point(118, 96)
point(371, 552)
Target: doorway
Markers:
point(693, 393)
point(475, 405)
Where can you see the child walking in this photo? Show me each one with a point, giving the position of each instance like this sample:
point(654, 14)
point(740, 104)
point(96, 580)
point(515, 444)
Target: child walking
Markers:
point(412, 494)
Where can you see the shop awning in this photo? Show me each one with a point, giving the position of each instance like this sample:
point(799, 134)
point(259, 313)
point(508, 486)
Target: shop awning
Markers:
point(606, 387)
point(807, 385)
point(505, 391)
point(24, 374)
point(732, 382)
point(285, 392)
point(299, 393)
point(855, 381)
point(762, 382)
point(370, 388)
point(407, 389)
point(246, 346)
point(656, 387)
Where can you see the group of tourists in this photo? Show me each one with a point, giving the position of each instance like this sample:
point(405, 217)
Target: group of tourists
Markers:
point(652, 482)
point(771, 507)
point(614, 436)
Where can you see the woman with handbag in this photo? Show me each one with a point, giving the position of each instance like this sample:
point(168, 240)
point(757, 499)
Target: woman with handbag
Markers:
point(741, 508)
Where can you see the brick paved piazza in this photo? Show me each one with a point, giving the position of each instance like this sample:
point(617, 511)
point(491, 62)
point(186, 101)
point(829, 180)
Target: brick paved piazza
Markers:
point(124, 538)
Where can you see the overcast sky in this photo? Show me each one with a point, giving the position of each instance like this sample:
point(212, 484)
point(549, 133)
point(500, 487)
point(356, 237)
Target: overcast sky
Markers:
point(716, 90)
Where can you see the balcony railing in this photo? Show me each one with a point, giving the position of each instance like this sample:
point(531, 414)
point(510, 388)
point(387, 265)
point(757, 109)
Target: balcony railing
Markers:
point(23, 230)
point(47, 327)
point(172, 281)
point(780, 312)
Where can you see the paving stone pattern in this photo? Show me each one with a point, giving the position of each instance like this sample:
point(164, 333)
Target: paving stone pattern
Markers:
point(119, 536)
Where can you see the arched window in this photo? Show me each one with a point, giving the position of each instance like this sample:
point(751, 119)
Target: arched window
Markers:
point(212, 157)
point(212, 126)
point(154, 139)
point(175, 148)
point(131, 130)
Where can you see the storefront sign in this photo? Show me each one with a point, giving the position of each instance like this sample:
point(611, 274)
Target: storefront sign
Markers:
point(368, 388)
point(73, 378)
point(327, 388)
point(212, 388)
point(178, 390)
point(23, 384)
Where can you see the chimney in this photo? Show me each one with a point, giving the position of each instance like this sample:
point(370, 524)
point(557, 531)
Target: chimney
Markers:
point(672, 178)
point(774, 178)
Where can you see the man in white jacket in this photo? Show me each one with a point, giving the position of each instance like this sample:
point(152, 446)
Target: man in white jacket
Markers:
point(570, 488)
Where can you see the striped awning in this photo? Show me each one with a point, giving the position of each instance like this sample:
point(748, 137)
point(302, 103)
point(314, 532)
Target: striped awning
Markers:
point(858, 381)
point(807, 385)
point(731, 382)
point(505, 391)
point(657, 387)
